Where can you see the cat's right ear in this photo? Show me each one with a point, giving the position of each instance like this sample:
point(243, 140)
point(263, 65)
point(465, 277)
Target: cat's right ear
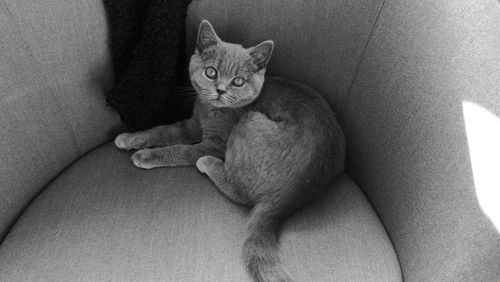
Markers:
point(261, 53)
point(206, 36)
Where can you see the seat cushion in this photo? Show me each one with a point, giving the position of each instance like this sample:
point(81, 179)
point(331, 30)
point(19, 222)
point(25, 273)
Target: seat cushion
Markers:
point(105, 220)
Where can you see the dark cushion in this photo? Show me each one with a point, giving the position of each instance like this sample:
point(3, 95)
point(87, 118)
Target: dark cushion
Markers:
point(105, 220)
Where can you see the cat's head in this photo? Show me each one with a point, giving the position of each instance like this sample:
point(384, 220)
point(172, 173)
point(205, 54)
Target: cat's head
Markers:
point(225, 74)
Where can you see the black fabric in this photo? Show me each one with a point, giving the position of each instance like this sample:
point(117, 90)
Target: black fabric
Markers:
point(147, 44)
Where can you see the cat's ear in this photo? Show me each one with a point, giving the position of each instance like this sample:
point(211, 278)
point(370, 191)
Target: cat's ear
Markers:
point(262, 53)
point(206, 36)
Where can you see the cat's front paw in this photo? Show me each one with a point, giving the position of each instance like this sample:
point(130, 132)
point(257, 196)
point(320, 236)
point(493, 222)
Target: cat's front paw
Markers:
point(144, 158)
point(205, 163)
point(128, 141)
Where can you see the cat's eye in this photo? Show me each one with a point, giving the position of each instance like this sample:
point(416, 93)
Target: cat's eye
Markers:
point(211, 72)
point(238, 81)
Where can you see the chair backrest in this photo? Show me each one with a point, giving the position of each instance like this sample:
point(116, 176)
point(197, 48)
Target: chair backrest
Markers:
point(410, 81)
point(54, 63)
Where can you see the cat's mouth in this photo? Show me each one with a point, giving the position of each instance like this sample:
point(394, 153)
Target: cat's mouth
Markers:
point(218, 102)
point(210, 96)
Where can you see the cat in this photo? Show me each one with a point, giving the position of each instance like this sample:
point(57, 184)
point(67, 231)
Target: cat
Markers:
point(268, 143)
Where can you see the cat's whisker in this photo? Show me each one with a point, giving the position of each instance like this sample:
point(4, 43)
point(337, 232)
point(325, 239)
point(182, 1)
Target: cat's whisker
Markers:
point(182, 96)
point(184, 91)
point(207, 91)
point(180, 103)
point(186, 98)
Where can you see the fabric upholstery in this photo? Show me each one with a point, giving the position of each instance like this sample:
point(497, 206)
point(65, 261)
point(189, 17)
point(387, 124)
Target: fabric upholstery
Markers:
point(407, 140)
point(397, 74)
point(105, 220)
point(53, 66)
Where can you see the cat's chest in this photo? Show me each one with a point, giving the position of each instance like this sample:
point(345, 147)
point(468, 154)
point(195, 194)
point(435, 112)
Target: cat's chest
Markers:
point(218, 117)
point(217, 121)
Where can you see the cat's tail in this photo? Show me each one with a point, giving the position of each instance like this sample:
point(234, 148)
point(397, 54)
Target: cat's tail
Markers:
point(260, 250)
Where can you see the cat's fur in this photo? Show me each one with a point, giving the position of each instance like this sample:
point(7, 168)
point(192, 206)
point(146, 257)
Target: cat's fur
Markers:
point(269, 145)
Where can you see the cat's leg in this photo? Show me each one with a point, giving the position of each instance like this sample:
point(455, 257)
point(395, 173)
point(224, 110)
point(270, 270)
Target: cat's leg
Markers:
point(214, 168)
point(176, 155)
point(183, 132)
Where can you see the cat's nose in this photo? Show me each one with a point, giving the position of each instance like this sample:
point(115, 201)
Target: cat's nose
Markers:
point(220, 91)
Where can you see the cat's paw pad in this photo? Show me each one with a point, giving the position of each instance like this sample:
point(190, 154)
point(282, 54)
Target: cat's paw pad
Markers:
point(144, 159)
point(127, 141)
point(201, 164)
point(204, 163)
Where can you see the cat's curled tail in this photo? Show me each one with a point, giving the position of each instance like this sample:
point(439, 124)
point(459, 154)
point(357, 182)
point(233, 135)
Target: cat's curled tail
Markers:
point(260, 250)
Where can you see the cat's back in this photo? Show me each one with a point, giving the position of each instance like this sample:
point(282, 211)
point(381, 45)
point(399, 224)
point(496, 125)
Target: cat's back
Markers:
point(296, 104)
point(289, 124)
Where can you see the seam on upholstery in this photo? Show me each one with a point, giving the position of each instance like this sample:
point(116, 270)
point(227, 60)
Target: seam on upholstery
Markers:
point(381, 223)
point(18, 29)
point(47, 184)
point(44, 77)
point(364, 50)
point(348, 94)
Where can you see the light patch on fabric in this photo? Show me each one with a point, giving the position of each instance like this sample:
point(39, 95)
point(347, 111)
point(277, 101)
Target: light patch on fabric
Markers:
point(483, 135)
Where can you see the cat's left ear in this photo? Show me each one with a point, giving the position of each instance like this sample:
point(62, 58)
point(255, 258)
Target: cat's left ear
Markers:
point(262, 53)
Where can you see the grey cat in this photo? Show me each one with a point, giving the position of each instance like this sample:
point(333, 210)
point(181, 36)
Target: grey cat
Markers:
point(271, 145)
